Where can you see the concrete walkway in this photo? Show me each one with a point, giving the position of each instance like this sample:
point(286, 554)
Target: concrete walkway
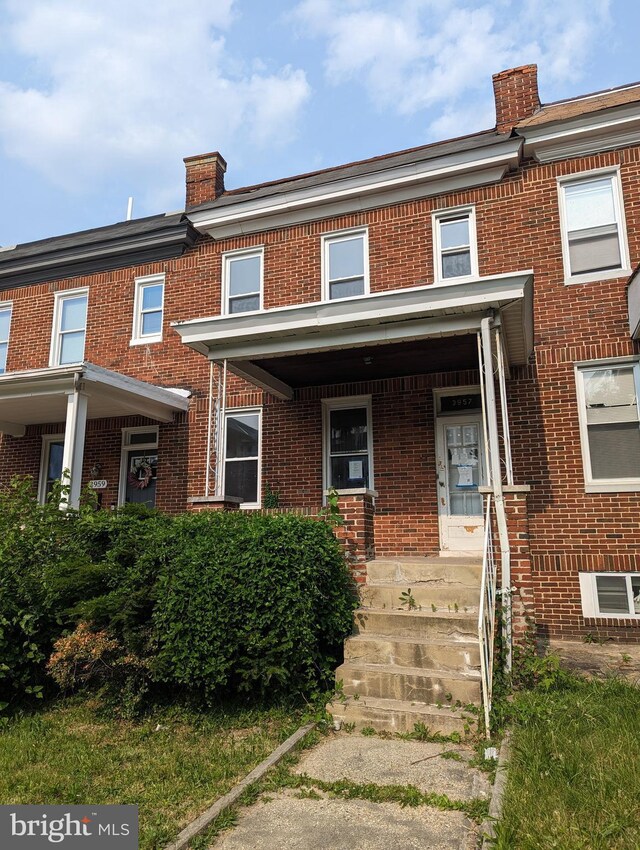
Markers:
point(313, 819)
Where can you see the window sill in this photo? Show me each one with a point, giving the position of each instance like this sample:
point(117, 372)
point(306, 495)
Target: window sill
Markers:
point(593, 277)
point(355, 491)
point(613, 487)
point(147, 340)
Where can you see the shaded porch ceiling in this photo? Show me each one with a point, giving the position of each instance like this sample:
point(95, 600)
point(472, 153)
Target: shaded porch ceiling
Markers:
point(375, 362)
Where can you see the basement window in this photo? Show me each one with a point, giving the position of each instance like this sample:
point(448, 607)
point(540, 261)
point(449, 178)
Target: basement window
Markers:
point(593, 231)
point(610, 425)
point(610, 595)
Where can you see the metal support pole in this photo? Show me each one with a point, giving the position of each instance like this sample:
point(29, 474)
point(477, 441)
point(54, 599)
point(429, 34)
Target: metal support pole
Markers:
point(503, 407)
point(209, 427)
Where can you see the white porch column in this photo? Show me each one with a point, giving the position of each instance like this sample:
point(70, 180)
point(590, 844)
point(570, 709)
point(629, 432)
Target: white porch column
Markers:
point(73, 453)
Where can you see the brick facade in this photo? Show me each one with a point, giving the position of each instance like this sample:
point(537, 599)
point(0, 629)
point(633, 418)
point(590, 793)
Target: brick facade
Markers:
point(559, 529)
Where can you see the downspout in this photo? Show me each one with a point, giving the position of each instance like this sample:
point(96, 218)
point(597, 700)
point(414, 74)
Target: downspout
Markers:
point(222, 408)
point(496, 476)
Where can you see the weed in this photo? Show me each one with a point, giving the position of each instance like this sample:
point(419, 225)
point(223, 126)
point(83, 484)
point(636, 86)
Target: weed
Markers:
point(407, 598)
point(368, 731)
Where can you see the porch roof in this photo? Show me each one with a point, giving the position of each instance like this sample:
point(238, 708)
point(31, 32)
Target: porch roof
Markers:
point(254, 344)
point(37, 396)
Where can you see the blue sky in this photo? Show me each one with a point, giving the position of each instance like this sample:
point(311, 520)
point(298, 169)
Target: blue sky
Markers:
point(102, 100)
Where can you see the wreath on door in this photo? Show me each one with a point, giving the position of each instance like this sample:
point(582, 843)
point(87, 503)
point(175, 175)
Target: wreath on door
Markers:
point(141, 473)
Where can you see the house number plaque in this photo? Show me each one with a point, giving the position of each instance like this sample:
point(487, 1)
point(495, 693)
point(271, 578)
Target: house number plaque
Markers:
point(98, 484)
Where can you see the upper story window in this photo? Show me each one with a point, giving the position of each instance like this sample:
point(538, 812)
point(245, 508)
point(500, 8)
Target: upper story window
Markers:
point(242, 281)
point(69, 327)
point(345, 265)
point(148, 309)
point(610, 425)
point(454, 239)
point(593, 232)
point(5, 324)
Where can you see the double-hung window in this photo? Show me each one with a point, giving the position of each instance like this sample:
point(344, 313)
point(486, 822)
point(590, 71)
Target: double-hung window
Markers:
point(242, 281)
point(348, 445)
point(454, 239)
point(593, 232)
point(242, 456)
point(69, 327)
point(5, 325)
point(610, 425)
point(148, 309)
point(345, 265)
point(614, 595)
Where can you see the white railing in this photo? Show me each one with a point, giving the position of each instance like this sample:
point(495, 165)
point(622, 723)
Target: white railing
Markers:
point(487, 615)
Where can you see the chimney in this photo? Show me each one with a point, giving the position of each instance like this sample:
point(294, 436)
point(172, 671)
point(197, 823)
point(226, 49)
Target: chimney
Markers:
point(516, 95)
point(205, 178)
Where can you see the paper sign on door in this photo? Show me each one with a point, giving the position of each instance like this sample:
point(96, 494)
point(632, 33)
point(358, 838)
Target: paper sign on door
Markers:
point(465, 476)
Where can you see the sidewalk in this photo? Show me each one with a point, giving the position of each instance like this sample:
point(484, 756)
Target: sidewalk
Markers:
point(312, 817)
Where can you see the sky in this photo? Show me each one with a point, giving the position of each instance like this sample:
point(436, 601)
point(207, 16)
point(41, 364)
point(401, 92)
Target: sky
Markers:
point(102, 99)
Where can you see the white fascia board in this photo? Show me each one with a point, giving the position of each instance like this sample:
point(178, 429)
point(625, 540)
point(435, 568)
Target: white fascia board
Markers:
point(247, 213)
point(142, 389)
point(584, 134)
point(379, 308)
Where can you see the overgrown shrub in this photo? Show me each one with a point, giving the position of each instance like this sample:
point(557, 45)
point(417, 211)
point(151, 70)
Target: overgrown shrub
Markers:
point(210, 604)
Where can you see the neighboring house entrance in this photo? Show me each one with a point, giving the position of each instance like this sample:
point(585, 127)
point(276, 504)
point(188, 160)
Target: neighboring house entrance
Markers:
point(139, 466)
point(460, 471)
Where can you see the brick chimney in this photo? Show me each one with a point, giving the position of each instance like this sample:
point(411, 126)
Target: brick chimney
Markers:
point(516, 95)
point(205, 178)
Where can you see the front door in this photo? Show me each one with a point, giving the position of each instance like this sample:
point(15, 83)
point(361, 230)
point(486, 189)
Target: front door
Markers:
point(461, 469)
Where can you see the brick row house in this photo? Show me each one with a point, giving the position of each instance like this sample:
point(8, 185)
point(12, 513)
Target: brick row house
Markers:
point(439, 334)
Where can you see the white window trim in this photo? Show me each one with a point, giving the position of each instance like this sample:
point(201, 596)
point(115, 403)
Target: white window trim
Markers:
point(243, 411)
point(589, 596)
point(227, 258)
point(125, 448)
point(337, 236)
point(47, 439)
point(59, 297)
point(443, 215)
point(602, 485)
point(618, 200)
point(137, 337)
point(7, 305)
point(329, 404)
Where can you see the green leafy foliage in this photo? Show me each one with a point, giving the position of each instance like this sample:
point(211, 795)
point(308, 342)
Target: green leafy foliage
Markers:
point(208, 604)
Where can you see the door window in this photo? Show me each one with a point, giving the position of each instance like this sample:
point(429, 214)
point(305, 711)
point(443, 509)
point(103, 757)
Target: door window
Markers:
point(463, 469)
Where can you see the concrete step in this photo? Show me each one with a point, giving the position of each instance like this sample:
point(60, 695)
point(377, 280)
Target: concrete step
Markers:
point(463, 656)
point(417, 625)
point(426, 595)
point(390, 715)
point(387, 681)
point(460, 570)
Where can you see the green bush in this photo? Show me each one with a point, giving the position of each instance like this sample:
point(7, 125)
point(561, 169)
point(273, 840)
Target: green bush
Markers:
point(211, 604)
point(249, 603)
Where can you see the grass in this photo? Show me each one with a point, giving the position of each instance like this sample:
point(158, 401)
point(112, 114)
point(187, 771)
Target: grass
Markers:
point(574, 774)
point(173, 765)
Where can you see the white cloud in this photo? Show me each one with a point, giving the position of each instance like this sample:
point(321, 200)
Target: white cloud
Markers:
point(413, 55)
point(129, 85)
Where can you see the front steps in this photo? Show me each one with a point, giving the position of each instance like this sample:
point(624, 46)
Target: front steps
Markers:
point(415, 661)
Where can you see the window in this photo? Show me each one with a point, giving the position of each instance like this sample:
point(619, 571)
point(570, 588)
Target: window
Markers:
point(609, 425)
point(5, 324)
point(610, 594)
point(50, 464)
point(139, 466)
point(347, 441)
point(593, 233)
point(345, 265)
point(69, 327)
point(242, 281)
point(242, 456)
point(454, 239)
point(148, 309)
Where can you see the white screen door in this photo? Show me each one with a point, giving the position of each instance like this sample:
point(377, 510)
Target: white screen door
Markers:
point(461, 470)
